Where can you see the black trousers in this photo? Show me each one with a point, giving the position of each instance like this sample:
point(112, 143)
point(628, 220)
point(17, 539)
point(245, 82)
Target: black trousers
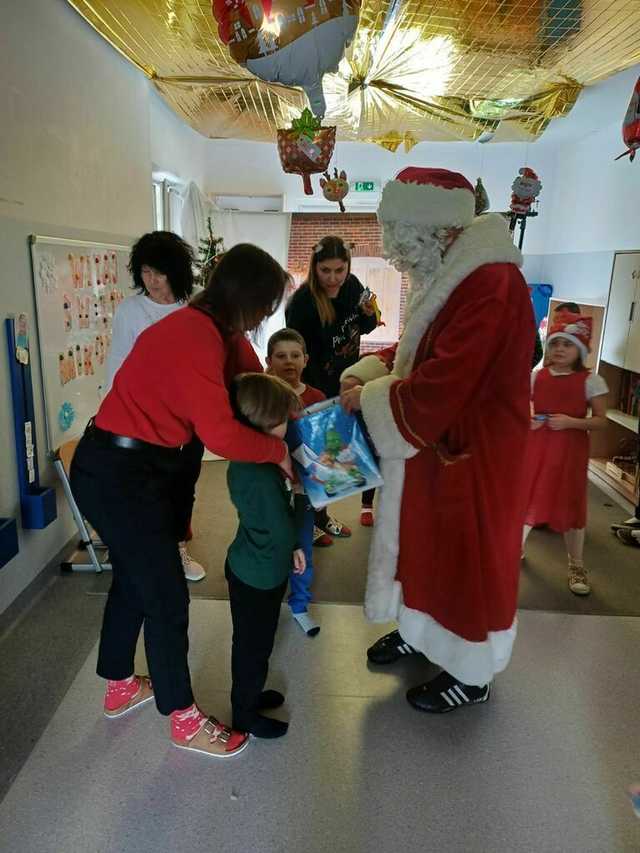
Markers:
point(132, 500)
point(254, 613)
point(185, 484)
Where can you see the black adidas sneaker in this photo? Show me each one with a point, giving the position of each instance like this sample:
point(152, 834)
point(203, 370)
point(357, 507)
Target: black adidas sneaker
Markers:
point(445, 693)
point(390, 648)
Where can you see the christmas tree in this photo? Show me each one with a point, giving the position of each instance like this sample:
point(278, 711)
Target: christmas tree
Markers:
point(211, 248)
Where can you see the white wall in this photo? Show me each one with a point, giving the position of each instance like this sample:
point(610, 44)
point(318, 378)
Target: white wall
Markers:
point(253, 168)
point(75, 160)
point(592, 201)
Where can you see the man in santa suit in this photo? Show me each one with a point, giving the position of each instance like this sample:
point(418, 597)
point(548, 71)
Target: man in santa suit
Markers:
point(448, 411)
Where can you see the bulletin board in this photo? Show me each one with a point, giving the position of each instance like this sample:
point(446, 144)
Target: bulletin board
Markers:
point(77, 286)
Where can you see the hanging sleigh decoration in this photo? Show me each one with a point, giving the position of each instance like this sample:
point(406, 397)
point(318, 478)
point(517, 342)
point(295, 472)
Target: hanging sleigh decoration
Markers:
point(631, 125)
point(335, 188)
point(306, 148)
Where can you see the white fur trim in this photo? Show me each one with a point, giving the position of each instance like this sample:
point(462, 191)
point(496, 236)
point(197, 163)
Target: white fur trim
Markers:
point(368, 368)
point(376, 409)
point(584, 352)
point(428, 205)
point(383, 594)
point(471, 663)
point(486, 241)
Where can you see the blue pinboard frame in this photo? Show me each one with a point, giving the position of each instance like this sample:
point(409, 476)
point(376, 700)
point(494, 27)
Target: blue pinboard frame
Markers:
point(37, 504)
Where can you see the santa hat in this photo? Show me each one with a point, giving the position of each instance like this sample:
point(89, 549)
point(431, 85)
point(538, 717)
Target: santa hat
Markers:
point(433, 198)
point(575, 328)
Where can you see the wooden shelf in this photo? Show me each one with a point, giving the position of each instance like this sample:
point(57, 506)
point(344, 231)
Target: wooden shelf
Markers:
point(627, 421)
point(599, 467)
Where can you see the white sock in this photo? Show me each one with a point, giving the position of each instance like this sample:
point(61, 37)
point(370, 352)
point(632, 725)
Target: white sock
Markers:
point(307, 624)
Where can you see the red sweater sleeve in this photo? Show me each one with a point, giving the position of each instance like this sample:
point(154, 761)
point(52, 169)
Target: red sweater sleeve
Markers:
point(206, 400)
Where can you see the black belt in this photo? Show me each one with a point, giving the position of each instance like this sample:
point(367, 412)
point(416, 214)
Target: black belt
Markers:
point(125, 442)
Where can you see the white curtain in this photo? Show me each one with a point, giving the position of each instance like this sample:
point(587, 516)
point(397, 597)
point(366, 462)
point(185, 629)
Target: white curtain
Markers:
point(269, 231)
point(196, 207)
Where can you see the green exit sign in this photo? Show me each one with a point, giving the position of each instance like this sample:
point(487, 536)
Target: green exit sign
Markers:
point(364, 186)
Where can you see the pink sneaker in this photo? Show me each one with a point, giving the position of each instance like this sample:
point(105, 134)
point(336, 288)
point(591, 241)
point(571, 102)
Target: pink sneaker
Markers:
point(143, 694)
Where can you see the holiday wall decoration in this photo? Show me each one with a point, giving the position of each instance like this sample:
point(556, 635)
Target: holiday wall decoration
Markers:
point(294, 42)
point(306, 148)
point(524, 191)
point(335, 188)
point(631, 125)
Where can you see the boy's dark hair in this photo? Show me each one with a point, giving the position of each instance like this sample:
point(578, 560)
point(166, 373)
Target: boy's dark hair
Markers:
point(263, 401)
point(568, 306)
point(285, 335)
point(245, 286)
point(167, 253)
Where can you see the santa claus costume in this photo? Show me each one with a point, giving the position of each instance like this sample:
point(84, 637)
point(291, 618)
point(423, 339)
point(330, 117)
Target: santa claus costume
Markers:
point(448, 411)
point(556, 460)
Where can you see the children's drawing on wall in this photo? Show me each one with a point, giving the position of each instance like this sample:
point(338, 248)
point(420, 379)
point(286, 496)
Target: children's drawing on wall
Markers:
point(21, 326)
point(66, 416)
point(47, 276)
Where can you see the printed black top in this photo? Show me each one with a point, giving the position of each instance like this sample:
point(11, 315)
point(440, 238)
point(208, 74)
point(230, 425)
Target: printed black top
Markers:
point(334, 347)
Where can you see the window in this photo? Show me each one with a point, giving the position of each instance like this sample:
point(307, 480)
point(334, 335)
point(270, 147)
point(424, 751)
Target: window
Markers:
point(386, 282)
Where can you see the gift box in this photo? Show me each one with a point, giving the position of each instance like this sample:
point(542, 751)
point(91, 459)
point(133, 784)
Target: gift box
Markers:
point(331, 455)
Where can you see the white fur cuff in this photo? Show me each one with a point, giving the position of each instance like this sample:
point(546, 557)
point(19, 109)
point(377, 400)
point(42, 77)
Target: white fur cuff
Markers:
point(378, 416)
point(368, 368)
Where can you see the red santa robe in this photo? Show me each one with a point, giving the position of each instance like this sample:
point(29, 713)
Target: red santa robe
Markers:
point(450, 419)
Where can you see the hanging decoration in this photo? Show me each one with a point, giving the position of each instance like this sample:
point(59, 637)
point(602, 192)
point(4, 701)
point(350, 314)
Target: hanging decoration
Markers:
point(335, 188)
point(482, 198)
point(211, 247)
point(293, 42)
point(525, 189)
point(631, 125)
point(306, 147)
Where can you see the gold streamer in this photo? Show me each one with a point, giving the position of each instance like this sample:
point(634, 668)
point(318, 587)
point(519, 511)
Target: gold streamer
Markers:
point(415, 71)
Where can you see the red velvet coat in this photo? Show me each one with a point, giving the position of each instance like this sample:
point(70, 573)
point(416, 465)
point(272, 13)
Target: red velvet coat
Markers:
point(451, 423)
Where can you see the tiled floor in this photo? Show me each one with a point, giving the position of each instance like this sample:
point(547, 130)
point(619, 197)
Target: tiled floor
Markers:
point(542, 767)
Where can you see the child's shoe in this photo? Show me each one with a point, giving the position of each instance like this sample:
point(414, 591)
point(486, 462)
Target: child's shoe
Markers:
point(125, 695)
point(335, 528)
point(366, 516)
point(578, 582)
point(307, 624)
point(321, 539)
point(191, 729)
point(629, 535)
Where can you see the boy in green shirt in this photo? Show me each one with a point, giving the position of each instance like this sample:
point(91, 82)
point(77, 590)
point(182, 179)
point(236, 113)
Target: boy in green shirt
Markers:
point(261, 555)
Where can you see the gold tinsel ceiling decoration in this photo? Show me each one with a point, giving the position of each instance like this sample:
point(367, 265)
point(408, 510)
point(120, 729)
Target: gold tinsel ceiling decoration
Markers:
point(416, 70)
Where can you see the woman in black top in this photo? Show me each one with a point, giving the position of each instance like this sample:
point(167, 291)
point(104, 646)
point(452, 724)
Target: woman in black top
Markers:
point(329, 313)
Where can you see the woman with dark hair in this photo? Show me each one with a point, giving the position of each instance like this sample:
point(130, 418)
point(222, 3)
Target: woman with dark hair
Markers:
point(328, 311)
point(173, 385)
point(161, 264)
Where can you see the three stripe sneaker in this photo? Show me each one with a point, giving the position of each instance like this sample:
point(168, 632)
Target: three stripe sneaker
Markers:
point(445, 693)
point(390, 648)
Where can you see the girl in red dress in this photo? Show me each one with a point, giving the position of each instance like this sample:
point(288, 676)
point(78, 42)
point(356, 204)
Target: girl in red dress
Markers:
point(562, 393)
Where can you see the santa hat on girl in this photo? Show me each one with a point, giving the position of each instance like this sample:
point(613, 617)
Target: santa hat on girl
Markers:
point(432, 198)
point(575, 328)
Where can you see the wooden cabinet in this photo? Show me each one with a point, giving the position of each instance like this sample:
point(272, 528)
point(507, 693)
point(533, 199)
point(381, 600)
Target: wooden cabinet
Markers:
point(621, 343)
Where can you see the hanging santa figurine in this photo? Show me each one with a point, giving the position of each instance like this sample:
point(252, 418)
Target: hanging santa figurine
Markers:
point(631, 124)
point(524, 191)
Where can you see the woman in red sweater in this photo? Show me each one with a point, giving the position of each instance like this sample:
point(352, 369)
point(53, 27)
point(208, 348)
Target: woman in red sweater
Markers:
point(173, 385)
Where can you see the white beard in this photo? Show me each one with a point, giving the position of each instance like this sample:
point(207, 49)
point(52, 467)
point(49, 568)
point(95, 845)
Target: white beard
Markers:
point(409, 249)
